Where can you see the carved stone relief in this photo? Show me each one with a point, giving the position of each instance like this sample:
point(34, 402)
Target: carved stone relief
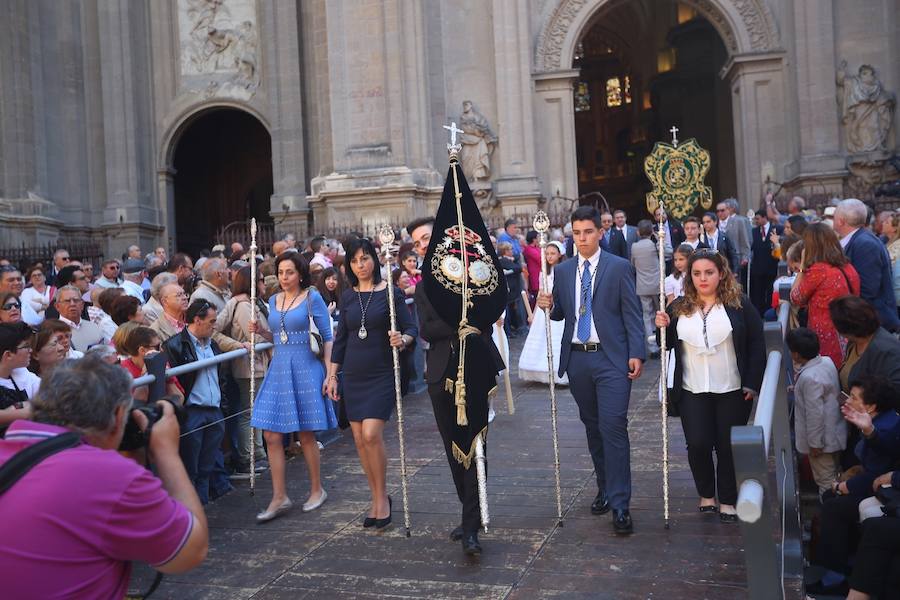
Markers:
point(219, 46)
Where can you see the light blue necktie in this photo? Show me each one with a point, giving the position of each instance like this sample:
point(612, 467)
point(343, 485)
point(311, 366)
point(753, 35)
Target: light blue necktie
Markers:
point(585, 314)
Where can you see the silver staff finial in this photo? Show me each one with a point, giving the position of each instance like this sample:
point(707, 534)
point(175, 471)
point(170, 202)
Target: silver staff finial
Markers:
point(674, 132)
point(386, 235)
point(454, 146)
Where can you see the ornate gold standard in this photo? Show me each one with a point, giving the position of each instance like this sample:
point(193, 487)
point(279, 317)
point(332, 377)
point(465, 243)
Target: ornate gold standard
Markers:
point(677, 172)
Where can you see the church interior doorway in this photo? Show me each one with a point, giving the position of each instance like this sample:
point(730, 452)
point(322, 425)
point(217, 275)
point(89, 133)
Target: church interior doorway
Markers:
point(646, 66)
point(223, 175)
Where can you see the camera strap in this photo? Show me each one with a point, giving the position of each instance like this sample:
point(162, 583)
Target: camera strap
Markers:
point(23, 461)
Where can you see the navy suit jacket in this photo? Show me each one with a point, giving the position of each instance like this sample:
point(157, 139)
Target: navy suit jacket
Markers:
point(871, 260)
point(615, 243)
point(616, 308)
point(763, 264)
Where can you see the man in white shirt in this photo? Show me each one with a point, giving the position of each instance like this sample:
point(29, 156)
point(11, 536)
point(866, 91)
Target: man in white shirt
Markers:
point(629, 232)
point(11, 281)
point(109, 274)
point(84, 333)
point(134, 274)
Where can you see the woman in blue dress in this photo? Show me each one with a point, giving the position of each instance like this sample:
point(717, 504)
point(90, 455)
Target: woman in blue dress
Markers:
point(291, 397)
point(362, 348)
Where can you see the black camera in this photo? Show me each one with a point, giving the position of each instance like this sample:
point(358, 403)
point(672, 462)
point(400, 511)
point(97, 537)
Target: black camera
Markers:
point(134, 438)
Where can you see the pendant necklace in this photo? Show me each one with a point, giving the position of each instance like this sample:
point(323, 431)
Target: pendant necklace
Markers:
point(283, 335)
point(363, 334)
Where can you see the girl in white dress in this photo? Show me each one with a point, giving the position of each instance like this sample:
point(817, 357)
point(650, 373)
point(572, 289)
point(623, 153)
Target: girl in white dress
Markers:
point(675, 282)
point(533, 360)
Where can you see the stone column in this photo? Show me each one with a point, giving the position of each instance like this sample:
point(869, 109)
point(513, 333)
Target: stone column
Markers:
point(515, 180)
point(131, 215)
point(280, 32)
point(758, 100)
point(379, 117)
point(815, 70)
point(555, 130)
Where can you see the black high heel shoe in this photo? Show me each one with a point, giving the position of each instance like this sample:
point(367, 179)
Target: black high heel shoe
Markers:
point(382, 523)
point(369, 521)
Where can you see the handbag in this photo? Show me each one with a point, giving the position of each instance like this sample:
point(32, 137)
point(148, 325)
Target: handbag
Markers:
point(316, 343)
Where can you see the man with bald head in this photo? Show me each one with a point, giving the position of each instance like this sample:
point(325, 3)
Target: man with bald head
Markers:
point(870, 259)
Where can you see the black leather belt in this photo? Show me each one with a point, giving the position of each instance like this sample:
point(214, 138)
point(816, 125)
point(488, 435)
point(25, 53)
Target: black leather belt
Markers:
point(590, 347)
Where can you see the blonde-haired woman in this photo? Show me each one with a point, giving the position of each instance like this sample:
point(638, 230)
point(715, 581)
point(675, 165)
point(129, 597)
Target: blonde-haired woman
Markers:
point(720, 357)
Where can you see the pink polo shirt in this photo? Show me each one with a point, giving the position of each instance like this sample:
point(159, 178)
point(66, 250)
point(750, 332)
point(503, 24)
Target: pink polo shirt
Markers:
point(70, 526)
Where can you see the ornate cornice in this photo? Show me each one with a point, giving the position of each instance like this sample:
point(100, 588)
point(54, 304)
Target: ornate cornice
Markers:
point(758, 32)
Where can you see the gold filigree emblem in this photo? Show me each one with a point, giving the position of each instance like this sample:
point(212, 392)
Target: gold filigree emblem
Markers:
point(677, 174)
point(449, 266)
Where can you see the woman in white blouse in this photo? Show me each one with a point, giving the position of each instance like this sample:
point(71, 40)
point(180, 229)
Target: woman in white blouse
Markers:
point(720, 357)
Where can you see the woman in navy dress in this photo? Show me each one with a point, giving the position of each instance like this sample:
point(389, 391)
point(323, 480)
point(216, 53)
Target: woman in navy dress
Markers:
point(362, 350)
point(291, 397)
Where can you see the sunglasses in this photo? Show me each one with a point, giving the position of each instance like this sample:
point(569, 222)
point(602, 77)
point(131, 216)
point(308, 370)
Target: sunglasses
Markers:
point(11, 306)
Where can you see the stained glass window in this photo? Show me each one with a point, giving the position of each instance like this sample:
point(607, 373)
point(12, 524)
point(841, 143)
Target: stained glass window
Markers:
point(582, 97)
point(627, 89)
point(613, 92)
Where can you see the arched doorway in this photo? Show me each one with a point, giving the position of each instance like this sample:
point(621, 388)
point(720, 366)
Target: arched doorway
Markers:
point(754, 71)
point(223, 174)
point(645, 66)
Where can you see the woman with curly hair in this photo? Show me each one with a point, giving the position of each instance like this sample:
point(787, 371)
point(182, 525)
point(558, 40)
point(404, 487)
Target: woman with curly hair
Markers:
point(720, 356)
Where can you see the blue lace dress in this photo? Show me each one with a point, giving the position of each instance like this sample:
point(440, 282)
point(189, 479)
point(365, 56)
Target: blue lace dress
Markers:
point(290, 397)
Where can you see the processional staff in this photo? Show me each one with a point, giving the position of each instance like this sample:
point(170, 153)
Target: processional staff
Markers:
point(386, 237)
point(253, 315)
point(541, 224)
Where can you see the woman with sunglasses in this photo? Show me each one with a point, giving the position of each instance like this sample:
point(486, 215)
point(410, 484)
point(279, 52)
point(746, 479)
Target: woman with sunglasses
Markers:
point(141, 344)
point(362, 348)
point(10, 308)
point(720, 356)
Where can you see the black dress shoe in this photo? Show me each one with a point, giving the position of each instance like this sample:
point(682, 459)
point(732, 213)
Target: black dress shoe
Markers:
point(470, 544)
point(382, 523)
point(369, 521)
point(600, 505)
point(622, 523)
point(457, 534)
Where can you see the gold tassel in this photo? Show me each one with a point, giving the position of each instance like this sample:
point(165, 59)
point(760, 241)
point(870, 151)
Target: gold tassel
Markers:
point(464, 458)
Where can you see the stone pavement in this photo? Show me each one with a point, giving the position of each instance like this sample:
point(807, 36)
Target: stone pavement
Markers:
point(327, 554)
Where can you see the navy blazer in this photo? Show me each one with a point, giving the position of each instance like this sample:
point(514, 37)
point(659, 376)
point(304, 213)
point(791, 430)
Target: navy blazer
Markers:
point(617, 310)
point(871, 260)
point(615, 242)
point(725, 248)
point(763, 263)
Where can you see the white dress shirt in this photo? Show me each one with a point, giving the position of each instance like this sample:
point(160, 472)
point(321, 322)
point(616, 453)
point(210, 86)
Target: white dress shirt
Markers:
point(712, 240)
point(594, 260)
point(846, 239)
point(693, 244)
point(708, 359)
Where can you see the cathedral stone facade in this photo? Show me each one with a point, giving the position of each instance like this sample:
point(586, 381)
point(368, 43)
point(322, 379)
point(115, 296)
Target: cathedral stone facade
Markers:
point(96, 95)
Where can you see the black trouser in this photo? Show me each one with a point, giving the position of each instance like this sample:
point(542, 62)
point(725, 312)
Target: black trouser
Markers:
point(466, 480)
point(839, 530)
point(761, 290)
point(877, 558)
point(707, 420)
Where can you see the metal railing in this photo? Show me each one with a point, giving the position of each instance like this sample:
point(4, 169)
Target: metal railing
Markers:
point(773, 551)
point(201, 364)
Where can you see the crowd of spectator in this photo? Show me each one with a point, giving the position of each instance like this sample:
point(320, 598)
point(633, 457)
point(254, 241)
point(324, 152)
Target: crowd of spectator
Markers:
point(153, 309)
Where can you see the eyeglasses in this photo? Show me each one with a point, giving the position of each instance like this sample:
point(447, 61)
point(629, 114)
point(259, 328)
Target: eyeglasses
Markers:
point(64, 258)
point(11, 306)
point(721, 210)
point(178, 295)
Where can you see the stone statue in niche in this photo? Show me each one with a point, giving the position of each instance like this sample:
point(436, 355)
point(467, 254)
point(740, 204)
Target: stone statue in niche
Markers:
point(867, 110)
point(478, 142)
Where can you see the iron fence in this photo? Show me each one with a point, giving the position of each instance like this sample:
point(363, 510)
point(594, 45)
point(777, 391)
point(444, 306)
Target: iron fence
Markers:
point(26, 256)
